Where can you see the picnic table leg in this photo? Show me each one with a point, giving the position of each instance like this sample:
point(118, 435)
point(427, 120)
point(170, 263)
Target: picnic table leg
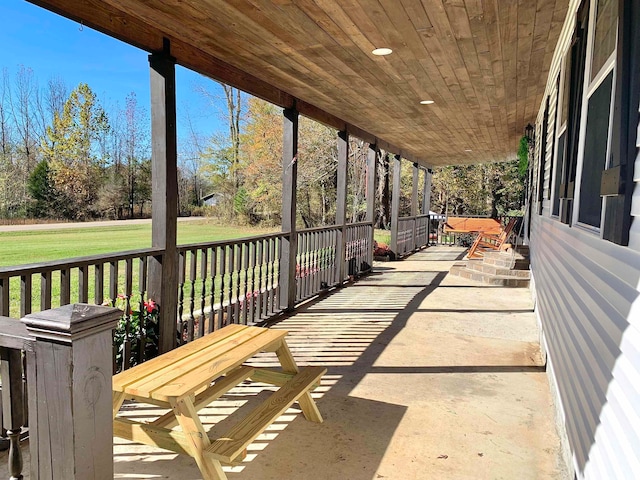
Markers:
point(118, 400)
point(187, 417)
point(289, 365)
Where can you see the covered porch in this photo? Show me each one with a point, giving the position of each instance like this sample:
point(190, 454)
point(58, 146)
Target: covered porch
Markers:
point(427, 373)
point(430, 376)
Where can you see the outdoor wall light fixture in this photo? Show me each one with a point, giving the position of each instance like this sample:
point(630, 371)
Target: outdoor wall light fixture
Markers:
point(381, 52)
point(529, 133)
point(426, 102)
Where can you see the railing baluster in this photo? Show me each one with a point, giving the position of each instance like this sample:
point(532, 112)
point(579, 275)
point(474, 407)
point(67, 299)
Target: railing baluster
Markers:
point(274, 294)
point(65, 286)
point(181, 277)
point(113, 282)
point(304, 266)
point(4, 296)
point(193, 265)
point(223, 261)
point(246, 300)
point(315, 285)
point(142, 288)
point(259, 260)
point(45, 290)
point(314, 263)
point(267, 283)
point(26, 292)
point(83, 283)
point(128, 290)
point(212, 313)
point(203, 294)
point(254, 294)
point(230, 316)
point(236, 309)
point(98, 278)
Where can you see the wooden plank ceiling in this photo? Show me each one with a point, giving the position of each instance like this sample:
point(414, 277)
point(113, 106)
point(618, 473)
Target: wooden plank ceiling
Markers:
point(483, 62)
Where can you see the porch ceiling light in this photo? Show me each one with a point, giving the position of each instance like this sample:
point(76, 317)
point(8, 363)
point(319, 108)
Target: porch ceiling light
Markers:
point(468, 150)
point(427, 102)
point(381, 52)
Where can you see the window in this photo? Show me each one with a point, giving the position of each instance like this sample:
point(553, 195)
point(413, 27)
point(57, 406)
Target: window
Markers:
point(543, 155)
point(605, 34)
point(555, 120)
point(595, 153)
point(599, 102)
point(576, 70)
point(560, 164)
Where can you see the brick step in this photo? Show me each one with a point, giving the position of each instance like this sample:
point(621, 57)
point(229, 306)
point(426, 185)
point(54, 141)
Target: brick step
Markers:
point(506, 260)
point(488, 279)
point(501, 270)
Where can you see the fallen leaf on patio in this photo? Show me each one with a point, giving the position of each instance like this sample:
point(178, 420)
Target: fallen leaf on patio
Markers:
point(443, 456)
point(481, 454)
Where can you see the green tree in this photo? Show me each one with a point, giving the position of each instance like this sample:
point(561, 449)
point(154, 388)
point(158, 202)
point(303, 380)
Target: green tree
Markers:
point(42, 191)
point(71, 151)
point(492, 189)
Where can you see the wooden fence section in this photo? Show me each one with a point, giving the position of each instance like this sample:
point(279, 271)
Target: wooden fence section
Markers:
point(40, 286)
point(119, 280)
point(415, 233)
point(359, 248)
point(226, 282)
point(316, 264)
point(235, 281)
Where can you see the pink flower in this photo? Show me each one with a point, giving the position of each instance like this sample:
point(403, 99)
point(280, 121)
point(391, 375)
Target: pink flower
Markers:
point(150, 306)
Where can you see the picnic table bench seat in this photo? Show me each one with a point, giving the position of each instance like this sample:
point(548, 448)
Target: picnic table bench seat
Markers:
point(192, 376)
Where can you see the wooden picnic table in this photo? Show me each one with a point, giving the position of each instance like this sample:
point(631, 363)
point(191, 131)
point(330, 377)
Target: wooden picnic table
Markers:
point(490, 226)
point(194, 375)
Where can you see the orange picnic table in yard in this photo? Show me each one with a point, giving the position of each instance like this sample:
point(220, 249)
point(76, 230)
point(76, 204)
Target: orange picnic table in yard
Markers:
point(489, 226)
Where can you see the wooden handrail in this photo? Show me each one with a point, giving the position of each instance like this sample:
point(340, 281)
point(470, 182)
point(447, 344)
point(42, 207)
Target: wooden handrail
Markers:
point(13, 334)
point(234, 241)
point(51, 266)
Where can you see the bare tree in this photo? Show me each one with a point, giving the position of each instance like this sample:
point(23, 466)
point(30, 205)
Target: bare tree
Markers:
point(233, 116)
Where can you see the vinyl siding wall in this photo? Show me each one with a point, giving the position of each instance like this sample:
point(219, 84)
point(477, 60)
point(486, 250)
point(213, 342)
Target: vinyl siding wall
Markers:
point(634, 234)
point(587, 293)
point(587, 297)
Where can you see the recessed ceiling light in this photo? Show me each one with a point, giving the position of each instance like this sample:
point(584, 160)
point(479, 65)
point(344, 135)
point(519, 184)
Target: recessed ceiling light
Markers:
point(382, 51)
point(427, 102)
point(468, 150)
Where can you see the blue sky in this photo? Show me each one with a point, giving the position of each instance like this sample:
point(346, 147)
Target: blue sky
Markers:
point(53, 46)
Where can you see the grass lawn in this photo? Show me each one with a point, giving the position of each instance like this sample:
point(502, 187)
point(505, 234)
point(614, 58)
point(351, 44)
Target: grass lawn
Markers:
point(24, 247)
point(42, 245)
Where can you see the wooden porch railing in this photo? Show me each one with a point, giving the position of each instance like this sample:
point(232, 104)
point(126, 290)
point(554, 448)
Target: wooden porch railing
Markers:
point(118, 279)
point(359, 248)
point(413, 233)
point(316, 261)
point(234, 281)
point(220, 283)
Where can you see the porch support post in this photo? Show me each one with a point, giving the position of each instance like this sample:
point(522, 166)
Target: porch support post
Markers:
point(341, 205)
point(70, 391)
point(426, 193)
point(289, 250)
point(163, 271)
point(395, 204)
point(414, 203)
point(426, 202)
point(372, 164)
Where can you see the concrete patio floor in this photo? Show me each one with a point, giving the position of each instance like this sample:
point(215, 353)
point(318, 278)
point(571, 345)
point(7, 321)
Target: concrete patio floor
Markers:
point(430, 377)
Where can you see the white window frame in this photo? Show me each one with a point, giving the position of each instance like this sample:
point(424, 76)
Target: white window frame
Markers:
point(559, 131)
point(589, 87)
